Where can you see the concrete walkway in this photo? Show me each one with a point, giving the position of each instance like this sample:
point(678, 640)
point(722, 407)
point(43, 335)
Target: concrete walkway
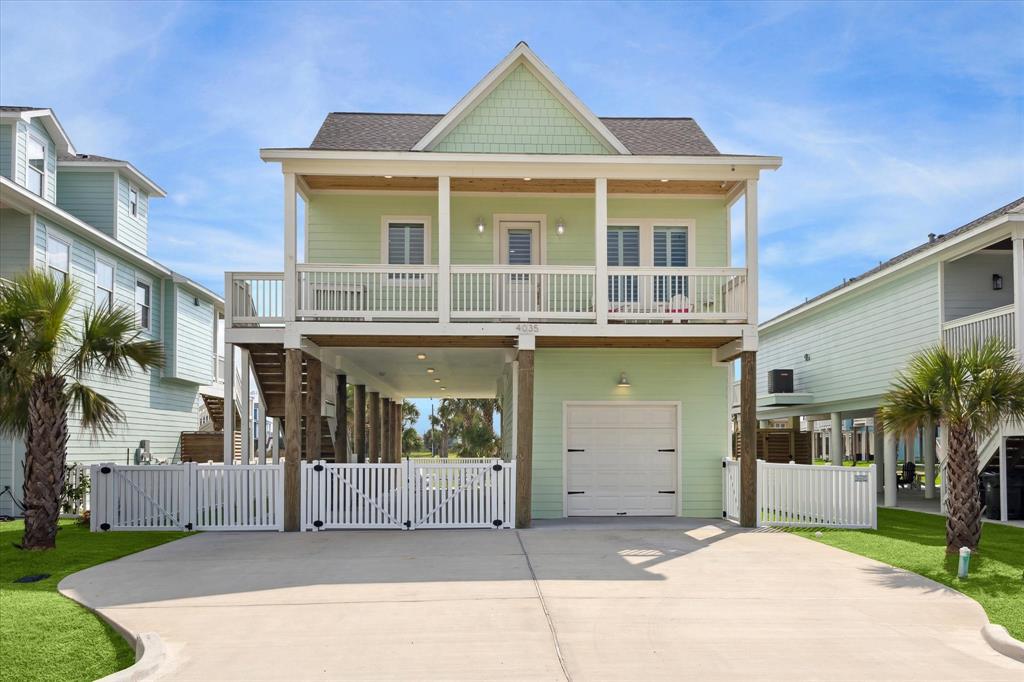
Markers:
point(611, 601)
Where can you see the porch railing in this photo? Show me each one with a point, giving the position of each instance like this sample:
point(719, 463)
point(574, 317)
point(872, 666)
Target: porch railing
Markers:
point(677, 294)
point(979, 328)
point(257, 298)
point(367, 292)
point(522, 292)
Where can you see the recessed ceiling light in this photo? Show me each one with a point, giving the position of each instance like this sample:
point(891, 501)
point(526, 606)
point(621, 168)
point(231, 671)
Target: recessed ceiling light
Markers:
point(527, 179)
point(421, 356)
point(437, 381)
point(430, 370)
point(443, 388)
point(664, 179)
point(387, 177)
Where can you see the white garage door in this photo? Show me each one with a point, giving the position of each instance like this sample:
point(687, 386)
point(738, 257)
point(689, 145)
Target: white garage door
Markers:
point(621, 460)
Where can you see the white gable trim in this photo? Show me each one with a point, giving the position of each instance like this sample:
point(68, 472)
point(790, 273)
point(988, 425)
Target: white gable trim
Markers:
point(522, 54)
point(49, 122)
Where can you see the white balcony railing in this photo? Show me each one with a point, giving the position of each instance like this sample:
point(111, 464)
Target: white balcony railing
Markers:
point(367, 292)
point(979, 328)
point(491, 293)
point(677, 294)
point(522, 292)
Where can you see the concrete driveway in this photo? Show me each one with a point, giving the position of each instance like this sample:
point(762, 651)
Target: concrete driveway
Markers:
point(602, 601)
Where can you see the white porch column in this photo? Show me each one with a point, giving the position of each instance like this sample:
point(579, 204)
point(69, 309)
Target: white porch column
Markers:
point(928, 453)
point(275, 435)
point(1018, 290)
point(878, 447)
point(229, 402)
point(814, 440)
point(261, 433)
point(889, 466)
point(246, 426)
point(1003, 514)
point(290, 285)
point(750, 242)
point(836, 444)
point(444, 249)
point(601, 249)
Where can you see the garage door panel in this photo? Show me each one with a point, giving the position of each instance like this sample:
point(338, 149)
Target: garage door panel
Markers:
point(621, 460)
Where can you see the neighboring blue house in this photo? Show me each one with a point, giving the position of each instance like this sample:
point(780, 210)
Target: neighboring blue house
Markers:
point(86, 217)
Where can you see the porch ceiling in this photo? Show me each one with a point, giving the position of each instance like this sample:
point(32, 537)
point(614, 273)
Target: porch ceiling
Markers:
point(464, 372)
point(539, 185)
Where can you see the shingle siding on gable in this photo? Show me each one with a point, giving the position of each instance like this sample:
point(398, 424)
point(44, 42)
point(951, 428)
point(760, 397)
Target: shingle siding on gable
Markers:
point(521, 116)
point(132, 230)
point(88, 195)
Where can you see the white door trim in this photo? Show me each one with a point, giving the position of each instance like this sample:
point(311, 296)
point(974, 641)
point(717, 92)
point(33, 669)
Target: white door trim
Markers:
point(500, 239)
point(566, 404)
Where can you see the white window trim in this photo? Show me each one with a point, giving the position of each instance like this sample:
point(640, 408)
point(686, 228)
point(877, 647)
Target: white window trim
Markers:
point(140, 279)
point(500, 238)
point(30, 135)
point(647, 226)
point(66, 241)
point(387, 220)
point(138, 199)
point(113, 283)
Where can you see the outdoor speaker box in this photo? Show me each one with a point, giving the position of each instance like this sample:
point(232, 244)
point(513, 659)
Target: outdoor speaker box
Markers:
point(780, 381)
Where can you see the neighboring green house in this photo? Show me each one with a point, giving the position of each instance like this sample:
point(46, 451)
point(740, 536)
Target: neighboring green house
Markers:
point(86, 217)
point(578, 268)
point(846, 346)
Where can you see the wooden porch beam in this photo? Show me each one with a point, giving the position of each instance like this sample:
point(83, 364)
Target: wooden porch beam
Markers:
point(524, 440)
point(373, 421)
point(341, 420)
point(292, 445)
point(386, 432)
point(748, 439)
point(359, 421)
point(314, 394)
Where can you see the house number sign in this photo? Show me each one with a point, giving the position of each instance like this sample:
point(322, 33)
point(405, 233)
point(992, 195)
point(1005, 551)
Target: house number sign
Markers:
point(528, 328)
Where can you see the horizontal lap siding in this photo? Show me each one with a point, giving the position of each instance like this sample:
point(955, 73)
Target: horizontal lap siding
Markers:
point(346, 228)
point(967, 283)
point(155, 408)
point(89, 196)
point(20, 151)
point(193, 346)
point(15, 243)
point(591, 375)
point(6, 150)
point(39, 130)
point(856, 344)
point(132, 230)
point(710, 240)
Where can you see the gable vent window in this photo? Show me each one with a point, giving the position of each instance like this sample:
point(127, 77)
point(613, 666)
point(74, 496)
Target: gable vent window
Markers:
point(142, 305)
point(104, 298)
point(36, 176)
point(133, 200)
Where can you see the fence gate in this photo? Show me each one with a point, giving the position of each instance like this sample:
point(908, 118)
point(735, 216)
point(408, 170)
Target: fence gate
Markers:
point(432, 494)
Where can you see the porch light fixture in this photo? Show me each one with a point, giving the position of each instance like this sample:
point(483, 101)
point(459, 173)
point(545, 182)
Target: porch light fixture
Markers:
point(623, 380)
point(560, 227)
point(997, 282)
point(421, 356)
point(480, 225)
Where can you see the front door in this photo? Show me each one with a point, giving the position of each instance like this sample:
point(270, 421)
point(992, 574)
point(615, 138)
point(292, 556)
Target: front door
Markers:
point(519, 292)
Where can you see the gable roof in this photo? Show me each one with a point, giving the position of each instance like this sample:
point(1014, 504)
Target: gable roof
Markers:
point(935, 242)
point(521, 55)
point(95, 161)
point(388, 132)
point(49, 121)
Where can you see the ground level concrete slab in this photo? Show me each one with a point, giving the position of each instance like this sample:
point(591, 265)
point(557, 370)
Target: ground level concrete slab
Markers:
point(604, 600)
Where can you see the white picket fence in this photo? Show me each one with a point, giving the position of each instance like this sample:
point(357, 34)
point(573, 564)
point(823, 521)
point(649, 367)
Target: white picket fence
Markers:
point(806, 495)
point(413, 494)
point(187, 496)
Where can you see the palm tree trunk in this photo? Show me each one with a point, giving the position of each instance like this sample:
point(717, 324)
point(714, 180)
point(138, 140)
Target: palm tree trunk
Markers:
point(963, 507)
point(46, 443)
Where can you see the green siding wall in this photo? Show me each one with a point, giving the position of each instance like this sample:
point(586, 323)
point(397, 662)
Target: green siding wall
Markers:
point(521, 116)
point(346, 228)
point(15, 242)
point(591, 375)
point(89, 196)
point(132, 230)
point(857, 343)
point(6, 149)
point(156, 409)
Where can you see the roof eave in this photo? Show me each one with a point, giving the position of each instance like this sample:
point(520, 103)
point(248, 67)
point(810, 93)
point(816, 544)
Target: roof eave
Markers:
point(52, 125)
point(130, 170)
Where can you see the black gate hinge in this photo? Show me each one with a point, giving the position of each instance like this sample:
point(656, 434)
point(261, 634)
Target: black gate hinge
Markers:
point(188, 526)
point(496, 523)
point(318, 523)
point(407, 524)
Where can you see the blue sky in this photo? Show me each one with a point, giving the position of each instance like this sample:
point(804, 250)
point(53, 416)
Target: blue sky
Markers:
point(894, 120)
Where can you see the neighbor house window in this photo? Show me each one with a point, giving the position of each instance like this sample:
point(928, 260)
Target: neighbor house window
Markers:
point(104, 297)
point(58, 258)
point(133, 200)
point(142, 304)
point(36, 177)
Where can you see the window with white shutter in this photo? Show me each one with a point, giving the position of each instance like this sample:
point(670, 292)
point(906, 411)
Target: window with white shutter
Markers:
point(671, 250)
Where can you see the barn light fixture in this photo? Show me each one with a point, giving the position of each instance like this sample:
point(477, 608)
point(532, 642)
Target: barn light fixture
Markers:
point(997, 282)
point(560, 227)
point(623, 380)
point(480, 225)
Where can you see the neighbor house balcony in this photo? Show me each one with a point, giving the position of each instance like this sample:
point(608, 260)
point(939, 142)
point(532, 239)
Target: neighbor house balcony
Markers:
point(492, 293)
point(976, 329)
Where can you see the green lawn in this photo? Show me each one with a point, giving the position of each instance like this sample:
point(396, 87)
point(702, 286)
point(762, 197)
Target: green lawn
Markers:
point(917, 542)
point(45, 636)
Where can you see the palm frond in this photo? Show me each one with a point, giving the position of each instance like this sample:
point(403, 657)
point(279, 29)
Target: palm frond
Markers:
point(97, 413)
point(110, 343)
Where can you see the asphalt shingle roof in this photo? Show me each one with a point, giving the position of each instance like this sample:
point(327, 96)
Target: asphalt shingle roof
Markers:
point(352, 131)
point(87, 157)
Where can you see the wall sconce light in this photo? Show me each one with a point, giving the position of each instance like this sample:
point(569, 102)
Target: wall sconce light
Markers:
point(807, 357)
point(623, 380)
point(480, 225)
point(195, 300)
point(560, 227)
point(997, 282)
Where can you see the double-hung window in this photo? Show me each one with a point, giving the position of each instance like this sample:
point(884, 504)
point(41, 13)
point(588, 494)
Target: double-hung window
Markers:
point(104, 296)
point(35, 177)
point(143, 295)
point(133, 200)
point(407, 244)
point(58, 258)
point(623, 252)
point(671, 249)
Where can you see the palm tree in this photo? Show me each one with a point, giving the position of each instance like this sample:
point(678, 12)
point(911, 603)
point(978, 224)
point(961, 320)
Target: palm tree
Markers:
point(44, 358)
point(971, 392)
